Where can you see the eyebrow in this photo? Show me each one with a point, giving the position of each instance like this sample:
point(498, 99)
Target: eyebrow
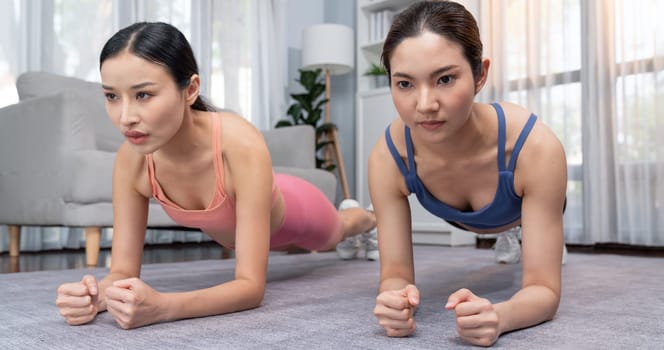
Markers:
point(433, 74)
point(133, 87)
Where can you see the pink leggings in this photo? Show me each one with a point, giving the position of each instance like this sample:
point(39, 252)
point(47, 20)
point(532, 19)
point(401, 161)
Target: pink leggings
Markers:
point(311, 221)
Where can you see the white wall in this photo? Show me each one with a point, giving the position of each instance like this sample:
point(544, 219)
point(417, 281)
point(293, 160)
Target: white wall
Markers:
point(299, 15)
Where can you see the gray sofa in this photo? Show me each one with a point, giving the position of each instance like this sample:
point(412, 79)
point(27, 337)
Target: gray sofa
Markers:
point(57, 148)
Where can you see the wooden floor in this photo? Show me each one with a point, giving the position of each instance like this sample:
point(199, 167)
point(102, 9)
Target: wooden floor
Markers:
point(75, 259)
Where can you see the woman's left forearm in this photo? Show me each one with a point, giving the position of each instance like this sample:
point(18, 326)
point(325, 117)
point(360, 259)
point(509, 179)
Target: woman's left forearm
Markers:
point(232, 296)
point(529, 306)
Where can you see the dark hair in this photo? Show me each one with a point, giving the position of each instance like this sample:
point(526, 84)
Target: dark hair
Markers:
point(162, 44)
point(445, 18)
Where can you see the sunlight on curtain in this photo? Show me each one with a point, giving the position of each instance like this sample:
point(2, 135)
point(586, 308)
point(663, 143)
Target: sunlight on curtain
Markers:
point(639, 119)
point(231, 56)
point(594, 72)
point(175, 12)
point(71, 28)
point(9, 27)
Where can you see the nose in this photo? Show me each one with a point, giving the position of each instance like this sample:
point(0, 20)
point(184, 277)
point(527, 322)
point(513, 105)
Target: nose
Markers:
point(128, 115)
point(427, 101)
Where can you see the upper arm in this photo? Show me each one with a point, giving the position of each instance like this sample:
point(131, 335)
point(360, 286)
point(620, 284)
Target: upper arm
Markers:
point(389, 199)
point(249, 165)
point(544, 181)
point(130, 212)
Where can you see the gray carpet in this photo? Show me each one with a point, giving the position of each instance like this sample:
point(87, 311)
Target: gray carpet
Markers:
point(316, 301)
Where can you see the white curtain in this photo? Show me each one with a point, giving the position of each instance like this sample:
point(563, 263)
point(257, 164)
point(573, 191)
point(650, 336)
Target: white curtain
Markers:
point(593, 70)
point(239, 46)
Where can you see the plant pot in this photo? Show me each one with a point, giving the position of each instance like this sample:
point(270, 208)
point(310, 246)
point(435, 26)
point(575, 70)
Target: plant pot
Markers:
point(380, 81)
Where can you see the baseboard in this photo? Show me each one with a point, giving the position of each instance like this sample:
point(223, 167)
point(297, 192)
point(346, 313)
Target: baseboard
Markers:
point(444, 238)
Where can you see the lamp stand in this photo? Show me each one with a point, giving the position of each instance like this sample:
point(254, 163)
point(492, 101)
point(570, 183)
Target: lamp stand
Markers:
point(334, 141)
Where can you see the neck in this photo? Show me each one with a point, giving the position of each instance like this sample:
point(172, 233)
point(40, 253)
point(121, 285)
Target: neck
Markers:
point(192, 137)
point(469, 139)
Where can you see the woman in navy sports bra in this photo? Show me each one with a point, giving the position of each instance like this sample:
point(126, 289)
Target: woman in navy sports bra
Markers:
point(483, 167)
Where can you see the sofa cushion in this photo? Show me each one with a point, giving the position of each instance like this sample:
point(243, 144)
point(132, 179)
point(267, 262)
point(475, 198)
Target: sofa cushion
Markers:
point(36, 84)
point(91, 177)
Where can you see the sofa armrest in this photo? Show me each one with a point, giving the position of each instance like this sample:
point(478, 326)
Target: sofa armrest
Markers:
point(293, 146)
point(34, 136)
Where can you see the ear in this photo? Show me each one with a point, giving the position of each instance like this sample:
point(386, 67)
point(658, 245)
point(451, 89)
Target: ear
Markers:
point(479, 84)
point(193, 90)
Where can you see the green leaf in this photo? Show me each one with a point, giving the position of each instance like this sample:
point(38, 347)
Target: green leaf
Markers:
point(307, 108)
point(325, 127)
point(283, 123)
point(320, 104)
point(322, 144)
point(316, 91)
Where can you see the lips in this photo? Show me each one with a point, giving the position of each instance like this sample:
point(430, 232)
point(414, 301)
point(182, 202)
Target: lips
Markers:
point(136, 137)
point(432, 124)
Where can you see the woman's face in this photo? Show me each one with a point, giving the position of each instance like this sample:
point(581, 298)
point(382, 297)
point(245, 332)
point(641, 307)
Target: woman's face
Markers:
point(142, 101)
point(432, 85)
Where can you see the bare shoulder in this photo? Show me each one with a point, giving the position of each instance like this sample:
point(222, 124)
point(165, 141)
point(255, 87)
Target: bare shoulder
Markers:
point(380, 156)
point(542, 158)
point(131, 170)
point(541, 136)
point(237, 131)
point(240, 139)
point(383, 169)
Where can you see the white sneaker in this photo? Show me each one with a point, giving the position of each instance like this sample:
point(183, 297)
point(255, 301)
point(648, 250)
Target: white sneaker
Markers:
point(507, 247)
point(370, 241)
point(349, 247)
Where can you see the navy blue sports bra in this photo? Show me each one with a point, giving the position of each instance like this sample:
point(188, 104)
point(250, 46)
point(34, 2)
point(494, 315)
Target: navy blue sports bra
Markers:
point(506, 205)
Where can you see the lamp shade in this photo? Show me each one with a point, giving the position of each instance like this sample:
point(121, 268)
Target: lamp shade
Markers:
point(328, 46)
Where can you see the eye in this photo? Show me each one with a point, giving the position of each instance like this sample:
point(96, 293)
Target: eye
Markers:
point(447, 79)
point(143, 96)
point(110, 97)
point(403, 84)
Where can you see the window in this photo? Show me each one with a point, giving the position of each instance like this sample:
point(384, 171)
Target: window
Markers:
point(602, 74)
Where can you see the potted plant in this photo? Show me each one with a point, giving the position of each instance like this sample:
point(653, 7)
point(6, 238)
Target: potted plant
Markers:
point(308, 109)
point(378, 75)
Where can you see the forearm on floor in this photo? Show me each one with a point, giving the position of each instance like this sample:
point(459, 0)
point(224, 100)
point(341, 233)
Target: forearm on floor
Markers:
point(236, 295)
point(528, 307)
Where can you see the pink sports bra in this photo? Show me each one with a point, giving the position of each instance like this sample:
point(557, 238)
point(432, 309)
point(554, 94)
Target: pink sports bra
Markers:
point(219, 216)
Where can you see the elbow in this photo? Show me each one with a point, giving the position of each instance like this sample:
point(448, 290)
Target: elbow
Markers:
point(554, 304)
point(254, 296)
point(257, 298)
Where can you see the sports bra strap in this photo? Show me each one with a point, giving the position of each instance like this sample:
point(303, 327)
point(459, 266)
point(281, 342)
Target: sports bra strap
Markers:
point(410, 175)
point(501, 136)
point(520, 141)
point(395, 154)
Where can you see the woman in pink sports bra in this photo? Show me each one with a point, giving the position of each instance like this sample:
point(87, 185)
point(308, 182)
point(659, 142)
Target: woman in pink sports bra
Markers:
point(209, 170)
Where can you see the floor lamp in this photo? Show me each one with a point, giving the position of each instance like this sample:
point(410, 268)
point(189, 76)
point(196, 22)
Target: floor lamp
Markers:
point(330, 47)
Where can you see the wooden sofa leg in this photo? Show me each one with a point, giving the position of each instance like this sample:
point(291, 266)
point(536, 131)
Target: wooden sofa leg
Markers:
point(14, 239)
point(92, 242)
